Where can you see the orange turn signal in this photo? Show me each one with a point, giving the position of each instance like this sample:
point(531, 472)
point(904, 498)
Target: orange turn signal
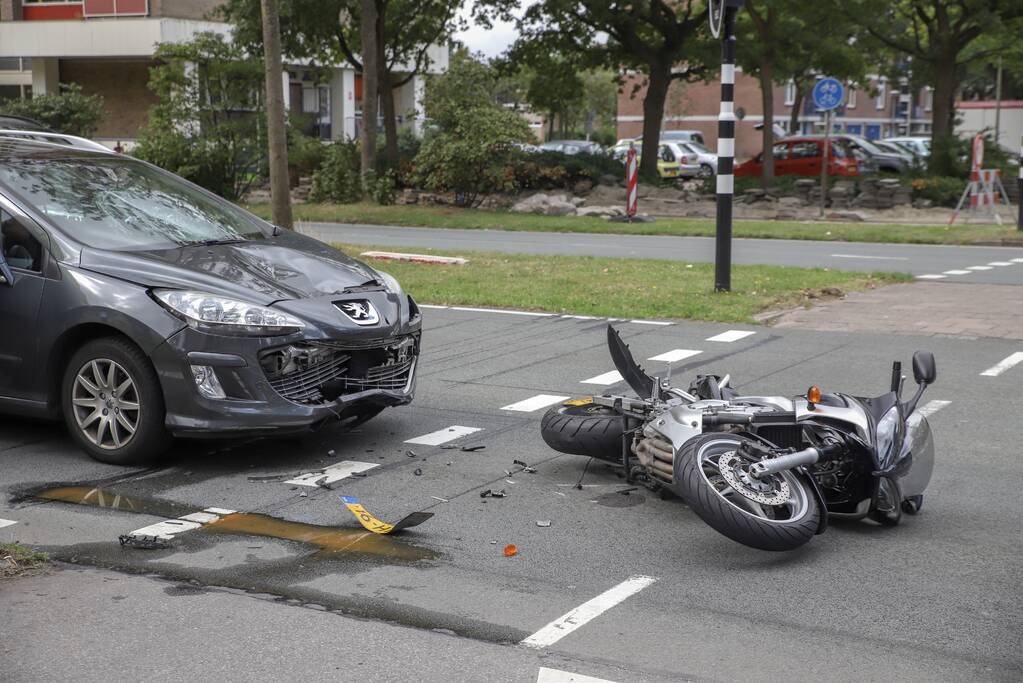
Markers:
point(813, 394)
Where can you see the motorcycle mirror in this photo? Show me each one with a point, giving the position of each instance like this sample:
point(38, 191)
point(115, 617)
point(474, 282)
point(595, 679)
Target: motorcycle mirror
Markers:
point(924, 370)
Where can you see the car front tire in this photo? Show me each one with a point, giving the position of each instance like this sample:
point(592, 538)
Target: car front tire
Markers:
point(112, 403)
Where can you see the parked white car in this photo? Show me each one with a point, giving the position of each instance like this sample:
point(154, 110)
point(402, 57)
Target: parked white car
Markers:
point(707, 159)
point(920, 146)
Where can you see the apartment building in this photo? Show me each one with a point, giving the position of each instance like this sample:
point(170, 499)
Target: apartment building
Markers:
point(875, 110)
point(107, 46)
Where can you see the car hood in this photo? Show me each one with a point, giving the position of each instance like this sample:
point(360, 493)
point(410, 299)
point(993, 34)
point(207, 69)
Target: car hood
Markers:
point(289, 266)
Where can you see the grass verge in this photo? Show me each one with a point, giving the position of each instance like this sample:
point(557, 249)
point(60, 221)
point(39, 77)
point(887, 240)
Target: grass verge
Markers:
point(618, 288)
point(479, 219)
point(17, 560)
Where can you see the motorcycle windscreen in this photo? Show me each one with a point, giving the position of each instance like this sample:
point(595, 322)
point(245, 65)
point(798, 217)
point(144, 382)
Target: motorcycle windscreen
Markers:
point(630, 370)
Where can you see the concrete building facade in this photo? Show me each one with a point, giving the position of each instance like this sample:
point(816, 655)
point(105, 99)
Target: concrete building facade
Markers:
point(694, 106)
point(107, 47)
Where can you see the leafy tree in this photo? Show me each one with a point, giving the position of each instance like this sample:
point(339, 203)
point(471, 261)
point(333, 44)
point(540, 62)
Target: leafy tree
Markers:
point(943, 38)
point(327, 32)
point(207, 123)
point(659, 38)
point(555, 89)
point(70, 111)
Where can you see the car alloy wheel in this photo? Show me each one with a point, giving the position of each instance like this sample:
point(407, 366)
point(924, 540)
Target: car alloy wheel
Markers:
point(106, 403)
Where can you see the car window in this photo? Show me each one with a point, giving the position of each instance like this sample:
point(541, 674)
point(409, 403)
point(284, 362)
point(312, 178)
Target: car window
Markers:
point(667, 154)
point(805, 150)
point(698, 138)
point(121, 204)
point(21, 249)
point(838, 151)
point(781, 151)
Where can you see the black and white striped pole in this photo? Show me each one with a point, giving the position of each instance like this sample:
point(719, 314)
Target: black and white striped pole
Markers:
point(722, 22)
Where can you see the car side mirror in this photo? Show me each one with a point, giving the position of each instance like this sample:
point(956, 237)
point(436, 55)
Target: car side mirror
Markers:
point(924, 370)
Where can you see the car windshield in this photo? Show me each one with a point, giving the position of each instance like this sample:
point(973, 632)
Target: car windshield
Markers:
point(120, 204)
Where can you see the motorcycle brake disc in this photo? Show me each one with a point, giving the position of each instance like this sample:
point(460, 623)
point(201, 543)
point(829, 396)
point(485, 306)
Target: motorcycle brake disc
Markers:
point(774, 491)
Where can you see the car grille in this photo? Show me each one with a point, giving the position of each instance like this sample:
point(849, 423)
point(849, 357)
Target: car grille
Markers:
point(318, 372)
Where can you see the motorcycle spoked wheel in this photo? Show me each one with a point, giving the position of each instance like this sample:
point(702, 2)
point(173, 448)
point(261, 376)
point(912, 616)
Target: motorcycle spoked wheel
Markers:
point(784, 515)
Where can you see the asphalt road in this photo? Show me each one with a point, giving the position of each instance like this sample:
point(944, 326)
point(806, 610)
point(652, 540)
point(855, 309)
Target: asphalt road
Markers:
point(971, 264)
point(937, 598)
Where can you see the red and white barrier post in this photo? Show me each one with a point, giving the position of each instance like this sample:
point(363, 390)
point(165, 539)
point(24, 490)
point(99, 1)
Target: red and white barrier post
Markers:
point(631, 182)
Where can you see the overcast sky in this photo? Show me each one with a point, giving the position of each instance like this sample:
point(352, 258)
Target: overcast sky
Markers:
point(490, 42)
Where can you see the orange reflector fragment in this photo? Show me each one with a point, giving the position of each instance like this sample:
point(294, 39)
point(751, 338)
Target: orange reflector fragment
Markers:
point(511, 550)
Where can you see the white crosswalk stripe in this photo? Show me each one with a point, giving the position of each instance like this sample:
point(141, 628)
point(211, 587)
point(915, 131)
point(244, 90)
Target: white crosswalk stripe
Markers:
point(537, 402)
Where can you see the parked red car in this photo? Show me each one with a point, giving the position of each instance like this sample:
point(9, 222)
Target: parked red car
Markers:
point(802, 156)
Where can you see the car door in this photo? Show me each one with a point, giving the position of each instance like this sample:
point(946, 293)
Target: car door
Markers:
point(24, 254)
point(806, 158)
point(782, 159)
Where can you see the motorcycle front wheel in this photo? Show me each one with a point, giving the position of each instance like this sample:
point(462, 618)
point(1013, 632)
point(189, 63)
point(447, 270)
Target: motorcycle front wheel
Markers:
point(777, 513)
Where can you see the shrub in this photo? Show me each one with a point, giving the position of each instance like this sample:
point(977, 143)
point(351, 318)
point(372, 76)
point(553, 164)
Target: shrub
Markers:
point(71, 111)
point(337, 179)
point(380, 188)
point(475, 157)
point(305, 153)
point(550, 170)
point(941, 190)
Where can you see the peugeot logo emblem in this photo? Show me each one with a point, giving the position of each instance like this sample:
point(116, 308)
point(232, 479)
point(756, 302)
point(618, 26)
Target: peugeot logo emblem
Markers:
point(359, 312)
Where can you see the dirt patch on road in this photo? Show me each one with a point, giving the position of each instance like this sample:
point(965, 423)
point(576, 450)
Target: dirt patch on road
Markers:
point(922, 308)
point(17, 560)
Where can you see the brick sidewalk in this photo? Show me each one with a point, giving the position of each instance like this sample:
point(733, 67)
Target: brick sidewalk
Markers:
point(927, 308)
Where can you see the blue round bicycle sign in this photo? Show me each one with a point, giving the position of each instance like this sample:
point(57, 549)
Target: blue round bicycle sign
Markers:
point(828, 94)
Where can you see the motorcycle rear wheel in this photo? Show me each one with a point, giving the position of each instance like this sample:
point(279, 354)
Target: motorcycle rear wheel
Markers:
point(587, 429)
point(774, 527)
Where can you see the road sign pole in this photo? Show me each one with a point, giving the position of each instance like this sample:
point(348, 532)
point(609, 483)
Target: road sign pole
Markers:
point(825, 157)
point(1019, 184)
point(726, 151)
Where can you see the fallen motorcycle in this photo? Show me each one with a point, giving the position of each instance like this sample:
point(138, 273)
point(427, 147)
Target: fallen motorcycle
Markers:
point(766, 471)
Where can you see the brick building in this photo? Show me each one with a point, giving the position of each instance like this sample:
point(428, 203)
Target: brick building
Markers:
point(694, 106)
point(106, 47)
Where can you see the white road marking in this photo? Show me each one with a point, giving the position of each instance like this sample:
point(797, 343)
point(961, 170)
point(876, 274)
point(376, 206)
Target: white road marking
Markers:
point(873, 258)
point(444, 435)
point(1000, 263)
point(931, 277)
point(586, 612)
point(932, 407)
point(535, 403)
point(430, 306)
point(1004, 365)
point(497, 310)
point(331, 473)
point(169, 528)
point(1017, 260)
point(731, 336)
point(612, 377)
point(650, 322)
point(957, 272)
point(675, 355)
point(979, 268)
point(6, 522)
point(558, 676)
point(582, 317)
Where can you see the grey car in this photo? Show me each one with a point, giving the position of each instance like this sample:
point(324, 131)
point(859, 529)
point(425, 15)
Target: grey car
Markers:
point(140, 307)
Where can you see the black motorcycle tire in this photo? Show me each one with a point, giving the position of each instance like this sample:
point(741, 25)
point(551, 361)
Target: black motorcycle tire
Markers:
point(588, 429)
point(727, 519)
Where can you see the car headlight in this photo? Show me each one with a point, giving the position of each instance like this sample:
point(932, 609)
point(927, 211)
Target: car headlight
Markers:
point(222, 315)
point(390, 282)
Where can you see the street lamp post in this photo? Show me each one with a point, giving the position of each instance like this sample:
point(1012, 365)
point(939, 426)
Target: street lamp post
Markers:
point(722, 21)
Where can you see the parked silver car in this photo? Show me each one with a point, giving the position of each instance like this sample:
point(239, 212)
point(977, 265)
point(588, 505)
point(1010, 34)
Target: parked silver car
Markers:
point(707, 159)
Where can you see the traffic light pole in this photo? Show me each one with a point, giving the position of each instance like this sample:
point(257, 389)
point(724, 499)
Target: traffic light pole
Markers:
point(726, 151)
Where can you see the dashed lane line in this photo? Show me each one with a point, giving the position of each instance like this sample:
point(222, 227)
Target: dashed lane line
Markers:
point(535, 403)
point(731, 336)
point(169, 528)
point(607, 378)
point(931, 277)
point(7, 522)
point(558, 676)
point(958, 272)
point(533, 314)
point(587, 612)
point(444, 435)
point(979, 268)
point(1002, 366)
point(651, 322)
point(331, 473)
point(675, 355)
point(1000, 263)
point(1017, 260)
point(932, 407)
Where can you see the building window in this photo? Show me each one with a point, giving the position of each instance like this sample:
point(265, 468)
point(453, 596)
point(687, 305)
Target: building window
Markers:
point(851, 101)
point(790, 94)
point(929, 99)
point(882, 94)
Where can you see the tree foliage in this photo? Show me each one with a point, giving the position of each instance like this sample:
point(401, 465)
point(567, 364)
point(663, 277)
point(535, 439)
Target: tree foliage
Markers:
point(207, 124)
point(70, 111)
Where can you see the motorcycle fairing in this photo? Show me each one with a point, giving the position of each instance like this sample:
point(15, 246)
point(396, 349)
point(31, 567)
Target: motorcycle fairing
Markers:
point(631, 371)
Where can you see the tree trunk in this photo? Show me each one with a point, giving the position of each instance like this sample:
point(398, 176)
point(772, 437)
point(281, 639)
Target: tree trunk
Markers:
point(797, 108)
point(368, 138)
point(946, 82)
point(386, 93)
point(767, 97)
point(277, 137)
point(653, 111)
